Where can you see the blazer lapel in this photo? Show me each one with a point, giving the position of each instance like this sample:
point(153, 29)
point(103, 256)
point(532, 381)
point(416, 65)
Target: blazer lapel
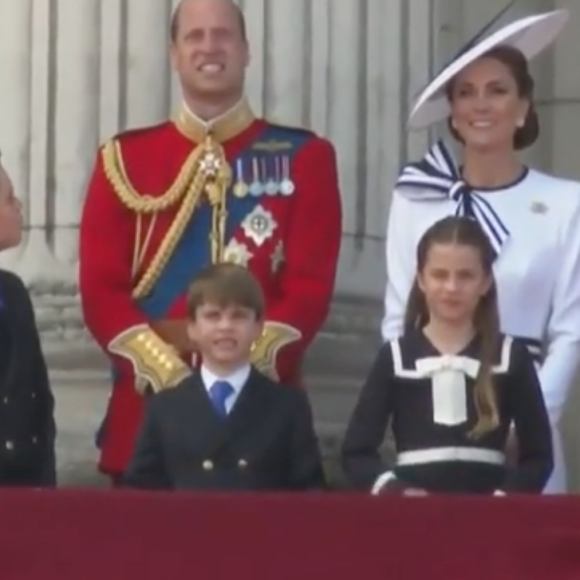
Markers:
point(249, 407)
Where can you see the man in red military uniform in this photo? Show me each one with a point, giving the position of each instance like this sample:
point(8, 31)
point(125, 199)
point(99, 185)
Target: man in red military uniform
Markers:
point(216, 183)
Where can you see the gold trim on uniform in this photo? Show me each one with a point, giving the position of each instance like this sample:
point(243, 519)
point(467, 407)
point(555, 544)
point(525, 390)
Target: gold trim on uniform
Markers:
point(205, 172)
point(225, 127)
point(275, 336)
point(155, 362)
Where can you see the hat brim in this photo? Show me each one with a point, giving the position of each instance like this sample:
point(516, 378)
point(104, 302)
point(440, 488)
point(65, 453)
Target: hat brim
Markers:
point(530, 35)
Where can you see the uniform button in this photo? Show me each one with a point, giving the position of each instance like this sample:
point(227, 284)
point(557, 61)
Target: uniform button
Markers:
point(34, 395)
point(242, 464)
point(35, 440)
point(207, 465)
point(9, 445)
point(5, 400)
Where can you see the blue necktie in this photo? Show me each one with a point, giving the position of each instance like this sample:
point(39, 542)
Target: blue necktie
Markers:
point(219, 393)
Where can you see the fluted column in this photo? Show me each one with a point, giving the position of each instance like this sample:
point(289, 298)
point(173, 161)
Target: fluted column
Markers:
point(15, 122)
point(76, 72)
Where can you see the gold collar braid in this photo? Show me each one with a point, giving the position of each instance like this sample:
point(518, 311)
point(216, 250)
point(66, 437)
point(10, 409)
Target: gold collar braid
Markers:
point(226, 127)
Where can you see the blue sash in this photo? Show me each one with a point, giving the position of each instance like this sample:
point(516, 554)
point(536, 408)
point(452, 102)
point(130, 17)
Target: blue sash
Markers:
point(263, 161)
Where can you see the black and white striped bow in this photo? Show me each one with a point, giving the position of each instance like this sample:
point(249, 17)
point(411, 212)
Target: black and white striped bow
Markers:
point(437, 177)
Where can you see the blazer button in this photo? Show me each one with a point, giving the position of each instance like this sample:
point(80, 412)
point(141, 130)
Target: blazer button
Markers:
point(9, 445)
point(207, 465)
point(242, 464)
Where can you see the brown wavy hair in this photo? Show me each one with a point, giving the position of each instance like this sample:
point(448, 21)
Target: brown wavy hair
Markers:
point(517, 64)
point(465, 232)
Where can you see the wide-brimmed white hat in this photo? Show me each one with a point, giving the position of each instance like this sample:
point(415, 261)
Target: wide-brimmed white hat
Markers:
point(530, 35)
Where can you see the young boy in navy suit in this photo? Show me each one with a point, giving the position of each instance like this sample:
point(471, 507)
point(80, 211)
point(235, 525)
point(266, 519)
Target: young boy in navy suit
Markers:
point(227, 426)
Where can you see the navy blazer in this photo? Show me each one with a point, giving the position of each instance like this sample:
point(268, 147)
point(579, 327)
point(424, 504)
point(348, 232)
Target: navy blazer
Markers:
point(266, 443)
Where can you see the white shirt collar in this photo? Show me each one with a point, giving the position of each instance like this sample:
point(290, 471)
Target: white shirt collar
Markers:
point(237, 379)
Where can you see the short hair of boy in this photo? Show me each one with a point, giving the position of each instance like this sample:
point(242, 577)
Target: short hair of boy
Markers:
point(226, 285)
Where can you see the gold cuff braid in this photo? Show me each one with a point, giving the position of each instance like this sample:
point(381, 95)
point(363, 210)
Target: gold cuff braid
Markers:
point(154, 361)
point(275, 336)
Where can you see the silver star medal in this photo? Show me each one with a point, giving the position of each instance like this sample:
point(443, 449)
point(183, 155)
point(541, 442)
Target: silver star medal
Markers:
point(259, 225)
point(210, 164)
point(237, 253)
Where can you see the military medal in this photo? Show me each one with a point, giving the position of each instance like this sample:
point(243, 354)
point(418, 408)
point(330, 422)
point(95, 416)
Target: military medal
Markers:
point(277, 257)
point(259, 225)
point(256, 187)
point(237, 253)
point(271, 187)
point(287, 186)
point(240, 188)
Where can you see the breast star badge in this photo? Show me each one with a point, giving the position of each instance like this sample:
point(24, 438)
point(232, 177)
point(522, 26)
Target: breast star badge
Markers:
point(210, 164)
point(259, 225)
point(237, 253)
point(277, 257)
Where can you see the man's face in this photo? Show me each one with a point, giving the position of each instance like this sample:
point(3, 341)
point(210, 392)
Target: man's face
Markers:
point(209, 52)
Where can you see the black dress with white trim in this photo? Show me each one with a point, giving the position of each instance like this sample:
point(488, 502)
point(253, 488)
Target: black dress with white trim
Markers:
point(429, 400)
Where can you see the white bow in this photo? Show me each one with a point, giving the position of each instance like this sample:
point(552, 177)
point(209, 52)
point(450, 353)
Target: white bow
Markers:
point(448, 386)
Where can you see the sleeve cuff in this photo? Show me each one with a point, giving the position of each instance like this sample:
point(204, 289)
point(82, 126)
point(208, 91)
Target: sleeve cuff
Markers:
point(382, 481)
point(155, 362)
point(275, 336)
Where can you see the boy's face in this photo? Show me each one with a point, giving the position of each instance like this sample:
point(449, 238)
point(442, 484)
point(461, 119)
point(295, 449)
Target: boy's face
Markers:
point(224, 334)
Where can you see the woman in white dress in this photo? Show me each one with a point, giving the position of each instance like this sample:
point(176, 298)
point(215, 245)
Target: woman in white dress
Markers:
point(532, 219)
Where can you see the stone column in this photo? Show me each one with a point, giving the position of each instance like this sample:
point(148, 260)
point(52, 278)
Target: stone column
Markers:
point(75, 73)
point(15, 122)
point(564, 110)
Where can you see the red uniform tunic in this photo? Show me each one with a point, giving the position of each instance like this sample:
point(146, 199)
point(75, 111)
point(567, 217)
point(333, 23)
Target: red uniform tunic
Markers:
point(145, 232)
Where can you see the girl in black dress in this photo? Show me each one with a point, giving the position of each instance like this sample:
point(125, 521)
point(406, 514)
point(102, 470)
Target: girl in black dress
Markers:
point(27, 429)
point(452, 385)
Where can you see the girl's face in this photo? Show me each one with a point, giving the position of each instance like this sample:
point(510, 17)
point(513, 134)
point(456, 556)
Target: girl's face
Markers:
point(486, 107)
point(453, 282)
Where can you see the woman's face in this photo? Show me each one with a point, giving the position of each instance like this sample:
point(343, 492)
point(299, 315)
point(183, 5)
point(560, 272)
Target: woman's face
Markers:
point(10, 213)
point(486, 107)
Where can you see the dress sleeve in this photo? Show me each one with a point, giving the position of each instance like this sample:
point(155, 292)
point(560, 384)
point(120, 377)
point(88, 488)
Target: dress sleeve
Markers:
point(361, 459)
point(528, 410)
point(563, 332)
point(400, 257)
